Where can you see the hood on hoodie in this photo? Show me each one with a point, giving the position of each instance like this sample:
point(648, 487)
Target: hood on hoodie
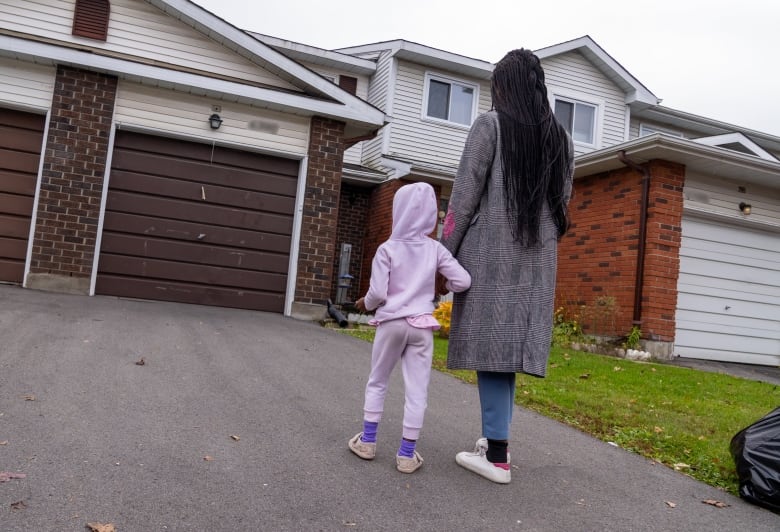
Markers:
point(415, 212)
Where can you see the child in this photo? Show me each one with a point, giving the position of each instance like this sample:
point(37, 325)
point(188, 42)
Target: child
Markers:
point(402, 289)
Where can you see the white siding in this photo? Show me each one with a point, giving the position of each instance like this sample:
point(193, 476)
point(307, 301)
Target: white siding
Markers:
point(635, 122)
point(138, 29)
point(178, 114)
point(424, 141)
point(576, 77)
point(721, 197)
point(26, 84)
point(378, 92)
point(728, 304)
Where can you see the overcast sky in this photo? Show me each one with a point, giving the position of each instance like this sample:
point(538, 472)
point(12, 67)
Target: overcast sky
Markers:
point(714, 58)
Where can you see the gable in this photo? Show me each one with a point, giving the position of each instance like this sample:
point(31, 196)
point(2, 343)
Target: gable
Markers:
point(737, 142)
point(139, 30)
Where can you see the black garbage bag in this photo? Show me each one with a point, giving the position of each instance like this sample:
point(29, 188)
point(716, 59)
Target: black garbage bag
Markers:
point(756, 452)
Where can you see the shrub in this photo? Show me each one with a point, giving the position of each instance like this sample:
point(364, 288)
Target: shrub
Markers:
point(565, 329)
point(443, 314)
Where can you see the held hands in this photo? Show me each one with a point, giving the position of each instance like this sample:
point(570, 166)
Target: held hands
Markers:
point(441, 285)
point(360, 304)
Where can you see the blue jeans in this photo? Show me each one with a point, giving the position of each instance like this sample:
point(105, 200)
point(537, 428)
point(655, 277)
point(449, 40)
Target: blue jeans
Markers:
point(497, 402)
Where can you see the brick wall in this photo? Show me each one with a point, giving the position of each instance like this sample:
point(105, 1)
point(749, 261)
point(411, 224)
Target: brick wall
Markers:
point(597, 258)
point(353, 212)
point(379, 225)
point(320, 212)
point(73, 169)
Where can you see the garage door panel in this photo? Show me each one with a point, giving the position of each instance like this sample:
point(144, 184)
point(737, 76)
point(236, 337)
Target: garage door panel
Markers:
point(197, 223)
point(26, 140)
point(184, 293)
point(15, 226)
point(15, 204)
point(23, 121)
point(200, 274)
point(187, 231)
point(205, 214)
point(728, 342)
point(17, 183)
point(711, 322)
point(728, 289)
point(11, 270)
point(194, 252)
point(18, 161)
point(157, 165)
point(731, 266)
point(197, 192)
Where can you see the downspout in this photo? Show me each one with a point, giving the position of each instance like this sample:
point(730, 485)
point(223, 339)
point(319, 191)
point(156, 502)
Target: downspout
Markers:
point(640, 260)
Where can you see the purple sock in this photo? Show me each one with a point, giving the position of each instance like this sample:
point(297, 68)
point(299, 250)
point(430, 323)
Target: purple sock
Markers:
point(369, 432)
point(407, 448)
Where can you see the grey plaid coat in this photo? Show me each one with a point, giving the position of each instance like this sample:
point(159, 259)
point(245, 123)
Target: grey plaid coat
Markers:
point(504, 321)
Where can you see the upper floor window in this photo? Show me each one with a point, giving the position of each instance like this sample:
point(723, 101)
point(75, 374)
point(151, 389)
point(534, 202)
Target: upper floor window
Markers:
point(579, 119)
point(90, 19)
point(450, 100)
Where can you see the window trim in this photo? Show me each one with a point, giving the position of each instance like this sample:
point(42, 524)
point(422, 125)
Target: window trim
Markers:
point(575, 98)
point(449, 80)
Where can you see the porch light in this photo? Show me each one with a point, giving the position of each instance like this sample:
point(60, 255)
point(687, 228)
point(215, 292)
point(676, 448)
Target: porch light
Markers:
point(215, 121)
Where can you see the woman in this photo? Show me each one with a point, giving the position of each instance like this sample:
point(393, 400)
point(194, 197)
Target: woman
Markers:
point(507, 210)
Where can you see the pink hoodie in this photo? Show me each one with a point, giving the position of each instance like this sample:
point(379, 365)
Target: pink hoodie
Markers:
point(403, 273)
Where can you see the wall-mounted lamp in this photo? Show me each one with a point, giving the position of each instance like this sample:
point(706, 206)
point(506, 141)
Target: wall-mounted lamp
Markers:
point(215, 121)
point(745, 207)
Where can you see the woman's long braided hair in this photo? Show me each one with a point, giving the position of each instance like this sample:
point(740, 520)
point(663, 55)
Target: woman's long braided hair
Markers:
point(535, 149)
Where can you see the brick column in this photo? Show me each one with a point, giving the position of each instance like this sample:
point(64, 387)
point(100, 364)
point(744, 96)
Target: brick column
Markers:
point(74, 165)
point(380, 225)
point(320, 217)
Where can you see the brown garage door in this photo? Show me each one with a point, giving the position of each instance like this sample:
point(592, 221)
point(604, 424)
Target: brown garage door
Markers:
point(21, 136)
point(196, 223)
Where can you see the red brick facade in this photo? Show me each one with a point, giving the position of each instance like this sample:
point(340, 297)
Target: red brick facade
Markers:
point(379, 226)
point(352, 225)
point(74, 166)
point(320, 212)
point(597, 258)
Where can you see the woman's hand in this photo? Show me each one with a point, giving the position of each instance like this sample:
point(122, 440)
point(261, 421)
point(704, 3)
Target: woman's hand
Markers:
point(360, 304)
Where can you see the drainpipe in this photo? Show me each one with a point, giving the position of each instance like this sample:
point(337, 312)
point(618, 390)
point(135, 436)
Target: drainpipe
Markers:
point(640, 260)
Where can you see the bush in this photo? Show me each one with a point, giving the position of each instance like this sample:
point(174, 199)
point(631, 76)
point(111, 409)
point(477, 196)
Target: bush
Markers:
point(443, 314)
point(565, 329)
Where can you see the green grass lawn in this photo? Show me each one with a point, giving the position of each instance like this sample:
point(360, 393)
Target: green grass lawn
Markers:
point(681, 417)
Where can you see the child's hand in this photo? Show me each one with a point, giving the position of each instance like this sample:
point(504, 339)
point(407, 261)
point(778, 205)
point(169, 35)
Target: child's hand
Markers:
point(360, 304)
point(441, 285)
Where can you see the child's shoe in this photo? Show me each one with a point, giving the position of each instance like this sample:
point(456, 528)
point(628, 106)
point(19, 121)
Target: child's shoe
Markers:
point(408, 465)
point(366, 451)
point(477, 462)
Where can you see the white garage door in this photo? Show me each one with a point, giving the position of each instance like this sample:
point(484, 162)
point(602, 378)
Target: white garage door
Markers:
point(728, 304)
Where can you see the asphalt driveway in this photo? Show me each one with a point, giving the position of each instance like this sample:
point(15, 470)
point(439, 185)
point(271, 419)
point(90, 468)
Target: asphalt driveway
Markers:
point(238, 421)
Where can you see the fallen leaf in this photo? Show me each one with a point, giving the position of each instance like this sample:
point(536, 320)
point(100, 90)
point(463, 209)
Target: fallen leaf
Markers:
point(678, 466)
point(585, 376)
point(4, 442)
point(617, 368)
point(235, 437)
point(18, 505)
point(671, 504)
point(29, 397)
point(5, 476)
point(554, 365)
point(713, 502)
point(208, 458)
point(100, 527)
point(350, 523)
point(141, 362)
point(658, 430)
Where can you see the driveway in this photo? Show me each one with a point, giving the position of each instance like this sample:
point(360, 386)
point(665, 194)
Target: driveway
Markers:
point(238, 421)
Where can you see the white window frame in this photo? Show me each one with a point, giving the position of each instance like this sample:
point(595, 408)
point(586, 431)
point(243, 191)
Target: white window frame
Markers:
point(598, 120)
point(449, 80)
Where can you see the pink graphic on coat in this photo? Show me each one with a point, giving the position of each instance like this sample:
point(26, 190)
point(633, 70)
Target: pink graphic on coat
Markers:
point(449, 224)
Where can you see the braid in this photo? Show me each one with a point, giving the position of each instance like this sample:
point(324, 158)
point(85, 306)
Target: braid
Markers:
point(534, 146)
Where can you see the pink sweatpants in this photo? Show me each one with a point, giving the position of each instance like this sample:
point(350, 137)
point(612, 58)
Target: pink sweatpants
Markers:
point(397, 340)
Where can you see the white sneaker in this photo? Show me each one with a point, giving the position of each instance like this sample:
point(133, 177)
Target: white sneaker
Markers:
point(477, 462)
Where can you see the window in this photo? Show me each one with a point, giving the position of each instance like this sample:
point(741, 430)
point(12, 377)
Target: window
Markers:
point(450, 100)
point(579, 119)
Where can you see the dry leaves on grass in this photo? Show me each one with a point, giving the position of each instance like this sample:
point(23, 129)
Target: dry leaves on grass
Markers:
point(235, 437)
point(208, 458)
point(141, 362)
point(29, 397)
point(100, 527)
point(18, 505)
point(671, 504)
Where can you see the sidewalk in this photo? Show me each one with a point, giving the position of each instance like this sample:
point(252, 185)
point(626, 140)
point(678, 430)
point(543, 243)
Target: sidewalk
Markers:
point(238, 421)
